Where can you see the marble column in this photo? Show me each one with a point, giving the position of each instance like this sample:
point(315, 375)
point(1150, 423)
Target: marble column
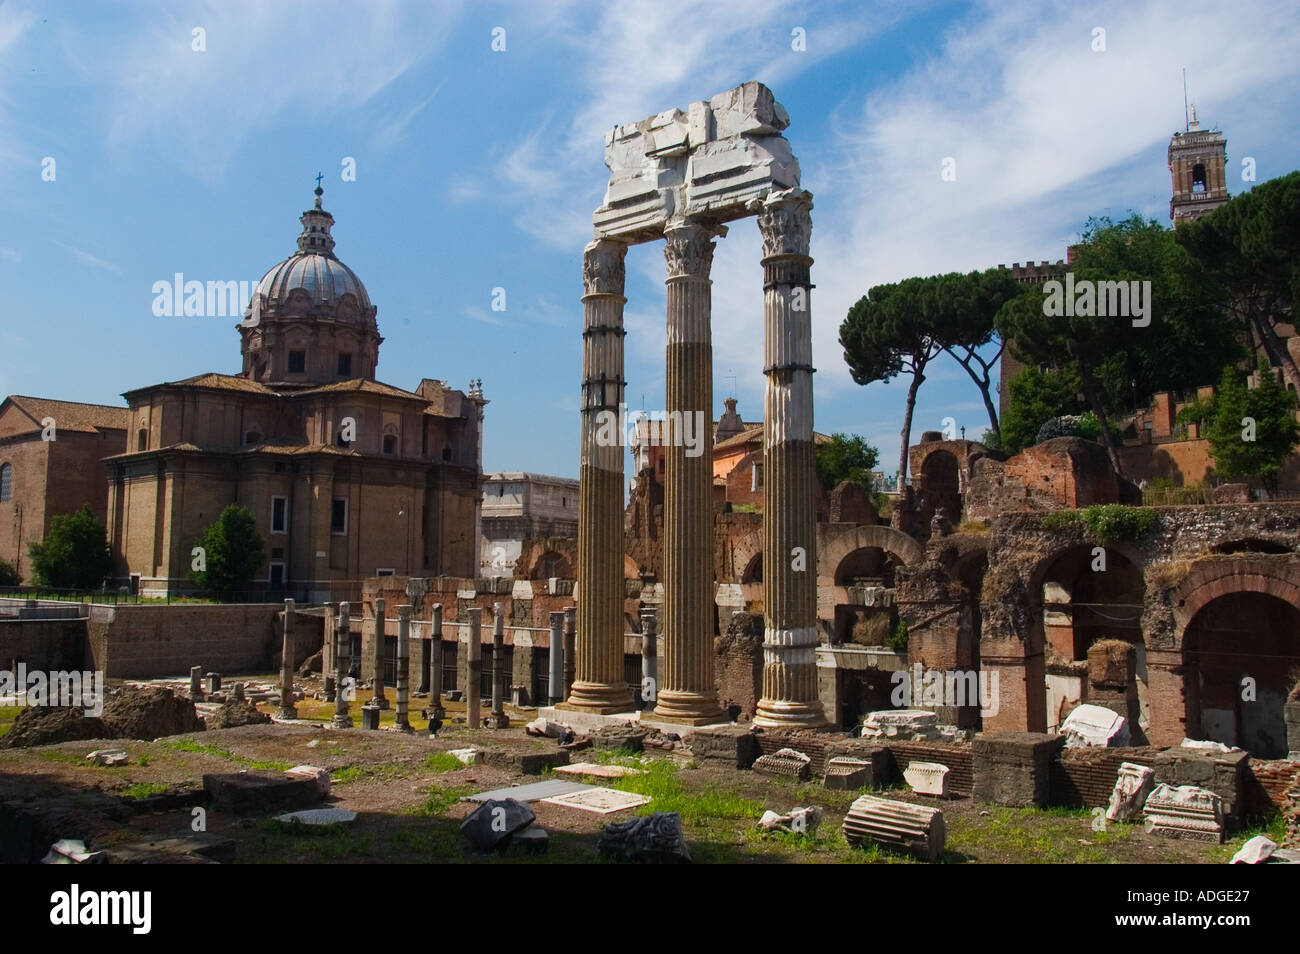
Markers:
point(474, 669)
point(649, 656)
point(570, 648)
point(555, 660)
point(342, 684)
point(436, 645)
point(287, 710)
point(598, 685)
point(498, 718)
point(377, 651)
point(403, 722)
point(790, 696)
point(328, 652)
point(686, 691)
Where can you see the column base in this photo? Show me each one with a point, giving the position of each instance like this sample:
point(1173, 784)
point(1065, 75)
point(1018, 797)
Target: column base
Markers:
point(774, 714)
point(286, 712)
point(598, 698)
point(343, 722)
point(380, 701)
point(687, 708)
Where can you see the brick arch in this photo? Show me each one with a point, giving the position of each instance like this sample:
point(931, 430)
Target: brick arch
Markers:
point(893, 542)
point(1041, 568)
point(1214, 577)
point(743, 552)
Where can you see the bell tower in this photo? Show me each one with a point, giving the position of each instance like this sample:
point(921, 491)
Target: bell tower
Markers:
point(1197, 162)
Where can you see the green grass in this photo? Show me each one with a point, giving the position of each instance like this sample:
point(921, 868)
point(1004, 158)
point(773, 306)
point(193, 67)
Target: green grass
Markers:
point(66, 757)
point(668, 794)
point(440, 799)
point(144, 789)
point(204, 748)
point(443, 762)
point(8, 714)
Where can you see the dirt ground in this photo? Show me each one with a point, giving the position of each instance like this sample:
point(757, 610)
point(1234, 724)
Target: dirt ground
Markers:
point(409, 802)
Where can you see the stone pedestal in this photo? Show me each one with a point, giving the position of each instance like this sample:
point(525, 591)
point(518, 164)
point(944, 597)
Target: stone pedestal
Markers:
point(286, 709)
point(686, 692)
point(732, 744)
point(790, 696)
point(370, 716)
point(598, 684)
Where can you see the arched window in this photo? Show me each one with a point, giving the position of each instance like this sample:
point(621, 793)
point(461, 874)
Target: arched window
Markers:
point(6, 482)
point(142, 439)
point(1198, 179)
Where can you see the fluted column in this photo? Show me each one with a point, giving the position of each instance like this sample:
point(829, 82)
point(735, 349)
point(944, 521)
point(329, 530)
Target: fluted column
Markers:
point(686, 691)
point(789, 521)
point(598, 684)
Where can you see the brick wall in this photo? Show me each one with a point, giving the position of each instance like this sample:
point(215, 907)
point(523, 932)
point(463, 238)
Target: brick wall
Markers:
point(48, 644)
point(1085, 777)
point(961, 773)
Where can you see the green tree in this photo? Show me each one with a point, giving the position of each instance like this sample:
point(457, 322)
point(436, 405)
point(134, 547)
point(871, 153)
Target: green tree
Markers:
point(232, 551)
point(1180, 342)
point(1035, 397)
point(1247, 253)
point(1252, 431)
point(8, 575)
point(846, 457)
point(74, 553)
point(887, 333)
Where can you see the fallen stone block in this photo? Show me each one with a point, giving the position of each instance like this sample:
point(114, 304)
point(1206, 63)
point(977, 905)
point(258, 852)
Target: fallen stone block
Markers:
point(927, 778)
point(1013, 768)
point(1094, 725)
point(623, 735)
point(489, 827)
point(317, 817)
point(799, 820)
point(548, 729)
point(526, 763)
point(71, 851)
point(1133, 785)
point(847, 774)
point(1226, 773)
point(655, 838)
point(531, 841)
point(108, 757)
point(1256, 851)
point(917, 830)
point(1184, 812)
point(319, 775)
point(785, 763)
point(259, 793)
point(902, 725)
point(733, 744)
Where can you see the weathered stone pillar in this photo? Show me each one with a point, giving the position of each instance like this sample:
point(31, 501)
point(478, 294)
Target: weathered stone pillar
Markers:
point(570, 647)
point(474, 668)
point(555, 670)
point(196, 682)
point(686, 693)
point(328, 651)
point(649, 656)
point(342, 644)
point(598, 685)
point(403, 722)
point(498, 719)
point(436, 710)
point(377, 652)
point(790, 695)
point(287, 710)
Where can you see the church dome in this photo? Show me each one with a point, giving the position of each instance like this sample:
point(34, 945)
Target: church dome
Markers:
point(314, 269)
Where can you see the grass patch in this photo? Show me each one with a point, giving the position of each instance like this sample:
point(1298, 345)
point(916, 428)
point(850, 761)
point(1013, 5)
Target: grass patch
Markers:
point(440, 799)
point(668, 794)
point(204, 748)
point(8, 715)
point(144, 789)
point(65, 757)
point(1108, 523)
point(443, 762)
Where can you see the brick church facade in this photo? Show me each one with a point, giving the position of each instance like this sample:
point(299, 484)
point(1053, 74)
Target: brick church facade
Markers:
point(347, 477)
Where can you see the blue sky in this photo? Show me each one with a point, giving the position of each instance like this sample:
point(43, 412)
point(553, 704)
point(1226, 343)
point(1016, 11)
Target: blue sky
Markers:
point(479, 169)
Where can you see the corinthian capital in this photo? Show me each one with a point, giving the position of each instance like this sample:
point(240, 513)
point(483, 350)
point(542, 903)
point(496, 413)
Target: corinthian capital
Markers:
point(603, 270)
point(785, 221)
point(688, 249)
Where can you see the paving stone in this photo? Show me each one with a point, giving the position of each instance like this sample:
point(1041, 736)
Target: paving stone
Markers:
point(601, 801)
point(318, 817)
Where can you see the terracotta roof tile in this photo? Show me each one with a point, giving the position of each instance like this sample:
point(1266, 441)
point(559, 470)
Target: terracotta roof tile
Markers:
point(71, 415)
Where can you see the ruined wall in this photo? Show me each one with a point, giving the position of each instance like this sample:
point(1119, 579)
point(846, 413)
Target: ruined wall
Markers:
point(47, 644)
point(142, 641)
point(1062, 472)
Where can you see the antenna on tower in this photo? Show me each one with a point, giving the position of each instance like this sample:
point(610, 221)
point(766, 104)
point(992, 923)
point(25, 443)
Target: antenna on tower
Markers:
point(1186, 122)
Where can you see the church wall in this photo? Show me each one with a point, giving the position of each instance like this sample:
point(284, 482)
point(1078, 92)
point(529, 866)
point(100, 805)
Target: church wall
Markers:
point(23, 517)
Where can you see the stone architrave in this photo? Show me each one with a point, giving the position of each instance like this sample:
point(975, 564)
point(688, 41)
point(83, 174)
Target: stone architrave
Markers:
point(1185, 811)
point(789, 763)
point(1133, 785)
point(286, 709)
point(598, 685)
point(342, 684)
point(846, 773)
point(378, 698)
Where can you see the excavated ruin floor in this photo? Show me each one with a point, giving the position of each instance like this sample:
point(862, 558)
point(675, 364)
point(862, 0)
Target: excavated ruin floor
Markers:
point(408, 797)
